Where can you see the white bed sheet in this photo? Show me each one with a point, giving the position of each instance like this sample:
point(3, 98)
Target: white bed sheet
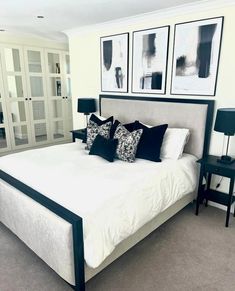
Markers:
point(114, 199)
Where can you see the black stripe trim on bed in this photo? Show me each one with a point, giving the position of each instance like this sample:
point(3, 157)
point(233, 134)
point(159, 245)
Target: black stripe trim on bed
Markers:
point(73, 219)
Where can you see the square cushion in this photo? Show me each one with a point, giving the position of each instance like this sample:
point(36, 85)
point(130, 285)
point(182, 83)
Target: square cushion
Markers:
point(174, 143)
point(129, 126)
point(149, 147)
point(127, 143)
point(105, 148)
point(93, 129)
point(99, 120)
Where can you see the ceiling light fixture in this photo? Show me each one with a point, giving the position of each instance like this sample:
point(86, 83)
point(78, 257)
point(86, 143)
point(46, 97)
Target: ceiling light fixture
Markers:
point(40, 16)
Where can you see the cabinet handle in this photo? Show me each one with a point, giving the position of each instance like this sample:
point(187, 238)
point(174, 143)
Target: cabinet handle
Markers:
point(66, 97)
point(30, 98)
point(63, 97)
point(26, 99)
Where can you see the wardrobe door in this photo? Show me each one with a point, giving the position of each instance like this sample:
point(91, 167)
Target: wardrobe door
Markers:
point(68, 95)
point(37, 101)
point(5, 144)
point(56, 98)
point(16, 97)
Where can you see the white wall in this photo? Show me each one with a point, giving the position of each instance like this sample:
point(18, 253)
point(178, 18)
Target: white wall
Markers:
point(85, 58)
point(31, 41)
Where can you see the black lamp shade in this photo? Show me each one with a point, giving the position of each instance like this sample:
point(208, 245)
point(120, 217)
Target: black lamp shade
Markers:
point(225, 121)
point(86, 105)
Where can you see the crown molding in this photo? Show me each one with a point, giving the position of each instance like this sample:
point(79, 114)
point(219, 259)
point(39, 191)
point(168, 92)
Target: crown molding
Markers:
point(179, 10)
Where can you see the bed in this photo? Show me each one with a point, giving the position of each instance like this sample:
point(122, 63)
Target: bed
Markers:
point(39, 213)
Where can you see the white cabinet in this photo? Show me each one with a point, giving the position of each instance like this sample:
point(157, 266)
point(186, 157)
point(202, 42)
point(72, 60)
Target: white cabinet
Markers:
point(35, 100)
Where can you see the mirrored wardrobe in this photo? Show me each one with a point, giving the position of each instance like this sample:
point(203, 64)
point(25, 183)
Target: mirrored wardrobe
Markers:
point(35, 97)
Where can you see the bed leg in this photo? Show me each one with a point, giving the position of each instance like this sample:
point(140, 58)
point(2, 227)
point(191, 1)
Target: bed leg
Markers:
point(78, 250)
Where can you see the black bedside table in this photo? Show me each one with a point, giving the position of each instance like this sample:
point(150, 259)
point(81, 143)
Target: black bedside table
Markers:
point(209, 166)
point(78, 133)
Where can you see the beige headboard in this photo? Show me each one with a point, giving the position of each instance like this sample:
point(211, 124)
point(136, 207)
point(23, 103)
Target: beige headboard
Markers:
point(182, 113)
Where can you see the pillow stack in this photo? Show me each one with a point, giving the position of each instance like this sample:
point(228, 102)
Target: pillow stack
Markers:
point(127, 142)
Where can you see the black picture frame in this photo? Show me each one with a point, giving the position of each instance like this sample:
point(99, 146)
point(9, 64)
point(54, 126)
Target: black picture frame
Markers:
point(114, 63)
point(196, 76)
point(142, 54)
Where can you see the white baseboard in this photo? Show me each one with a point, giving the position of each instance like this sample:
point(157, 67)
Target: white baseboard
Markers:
point(217, 205)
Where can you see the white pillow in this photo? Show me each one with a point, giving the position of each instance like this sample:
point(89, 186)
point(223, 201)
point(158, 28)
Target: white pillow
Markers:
point(174, 142)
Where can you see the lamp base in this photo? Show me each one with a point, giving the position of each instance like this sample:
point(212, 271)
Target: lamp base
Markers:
point(226, 160)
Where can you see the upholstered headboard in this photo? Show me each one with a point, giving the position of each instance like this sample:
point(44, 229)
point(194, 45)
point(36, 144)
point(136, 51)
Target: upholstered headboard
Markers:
point(196, 115)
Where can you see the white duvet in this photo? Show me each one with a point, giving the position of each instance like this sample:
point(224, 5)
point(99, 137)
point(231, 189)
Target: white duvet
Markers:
point(114, 199)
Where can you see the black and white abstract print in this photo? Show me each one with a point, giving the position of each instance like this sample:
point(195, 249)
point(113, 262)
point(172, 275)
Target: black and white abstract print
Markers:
point(114, 63)
point(196, 57)
point(150, 50)
point(127, 143)
point(94, 129)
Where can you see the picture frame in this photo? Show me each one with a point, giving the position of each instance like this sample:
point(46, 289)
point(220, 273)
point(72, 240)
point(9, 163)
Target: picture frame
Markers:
point(114, 61)
point(149, 60)
point(197, 46)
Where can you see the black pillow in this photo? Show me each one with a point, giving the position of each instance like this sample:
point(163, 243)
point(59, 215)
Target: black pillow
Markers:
point(105, 148)
point(150, 143)
point(129, 126)
point(98, 121)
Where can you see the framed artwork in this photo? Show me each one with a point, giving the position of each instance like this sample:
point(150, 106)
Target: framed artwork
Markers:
point(196, 57)
point(149, 62)
point(114, 63)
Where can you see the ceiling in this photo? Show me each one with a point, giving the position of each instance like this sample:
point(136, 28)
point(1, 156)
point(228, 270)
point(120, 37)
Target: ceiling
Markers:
point(20, 16)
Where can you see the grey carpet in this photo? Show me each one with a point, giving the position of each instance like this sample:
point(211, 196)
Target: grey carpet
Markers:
point(187, 253)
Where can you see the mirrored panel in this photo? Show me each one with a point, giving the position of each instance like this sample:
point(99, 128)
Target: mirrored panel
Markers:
point(36, 86)
point(20, 135)
point(40, 130)
point(69, 108)
point(70, 124)
point(58, 129)
point(38, 110)
point(1, 114)
point(54, 63)
point(55, 86)
point(34, 61)
point(12, 59)
point(67, 59)
point(57, 108)
point(15, 86)
point(3, 140)
point(68, 86)
point(18, 111)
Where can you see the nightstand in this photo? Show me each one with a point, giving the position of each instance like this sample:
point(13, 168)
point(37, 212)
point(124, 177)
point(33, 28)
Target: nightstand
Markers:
point(209, 166)
point(78, 133)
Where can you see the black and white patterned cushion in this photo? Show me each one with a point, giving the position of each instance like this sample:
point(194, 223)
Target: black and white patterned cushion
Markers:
point(94, 129)
point(127, 143)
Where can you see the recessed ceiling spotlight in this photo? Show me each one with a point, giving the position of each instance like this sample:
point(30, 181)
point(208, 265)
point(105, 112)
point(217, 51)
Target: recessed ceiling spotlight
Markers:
point(40, 16)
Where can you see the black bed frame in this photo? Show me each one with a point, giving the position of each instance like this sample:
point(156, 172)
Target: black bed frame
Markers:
point(75, 220)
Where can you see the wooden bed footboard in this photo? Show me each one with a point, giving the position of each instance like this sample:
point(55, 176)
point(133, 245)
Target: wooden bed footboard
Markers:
point(70, 217)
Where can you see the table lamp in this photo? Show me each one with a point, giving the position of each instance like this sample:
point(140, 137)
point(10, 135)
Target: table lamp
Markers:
point(225, 122)
point(86, 106)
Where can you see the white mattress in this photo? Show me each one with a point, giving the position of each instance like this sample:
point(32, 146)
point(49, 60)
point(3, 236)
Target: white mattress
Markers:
point(114, 199)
